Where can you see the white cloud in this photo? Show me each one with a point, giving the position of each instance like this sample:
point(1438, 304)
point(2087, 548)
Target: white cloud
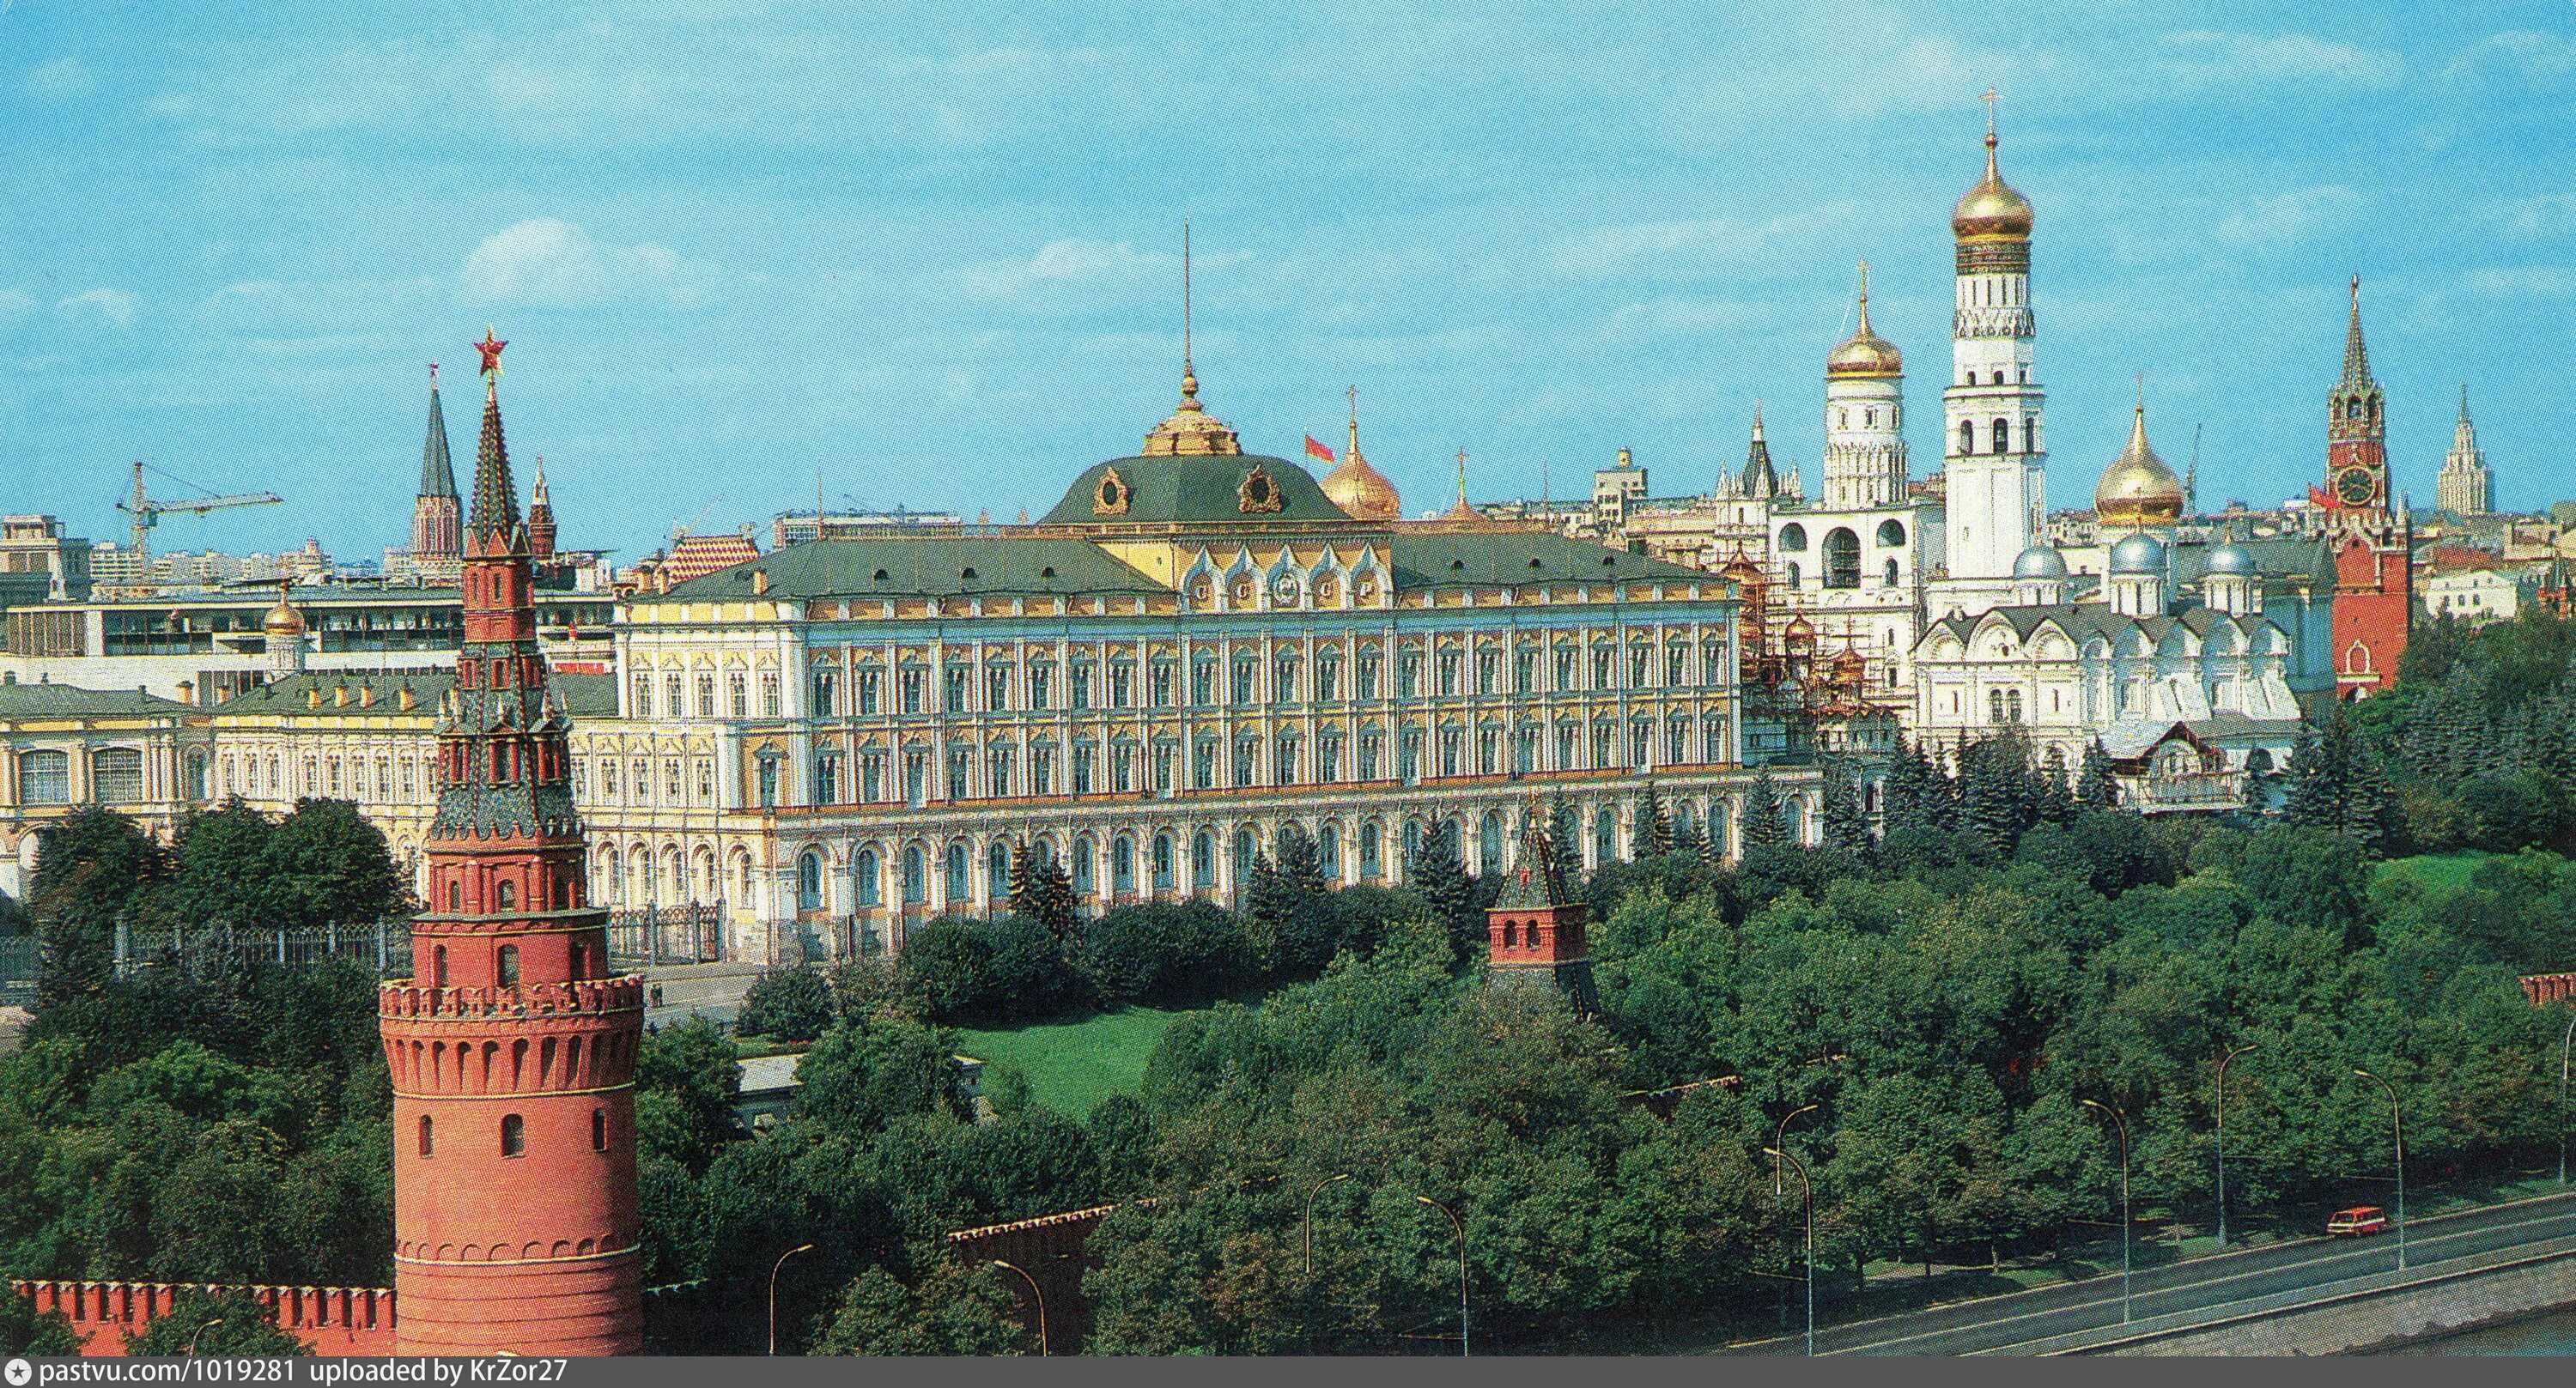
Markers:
point(2549, 214)
point(61, 79)
point(548, 261)
point(2525, 282)
point(2282, 218)
point(2530, 55)
point(15, 303)
point(114, 305)
point(2240, 59)
point(1687, 245)
point(1074, 261)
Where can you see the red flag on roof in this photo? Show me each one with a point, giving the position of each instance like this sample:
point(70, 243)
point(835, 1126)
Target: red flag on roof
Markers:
point(1317, 450)
point(2319, 496)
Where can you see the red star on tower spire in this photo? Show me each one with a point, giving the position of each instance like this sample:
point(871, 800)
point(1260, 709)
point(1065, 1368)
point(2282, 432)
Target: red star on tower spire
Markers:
point(490, 347)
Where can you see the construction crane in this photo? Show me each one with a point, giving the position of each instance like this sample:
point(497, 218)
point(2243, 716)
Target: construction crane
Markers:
point(147, 512)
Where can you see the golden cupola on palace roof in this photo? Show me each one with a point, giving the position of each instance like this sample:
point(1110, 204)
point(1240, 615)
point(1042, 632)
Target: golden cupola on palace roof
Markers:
point(1991, 210)
point(1865, 353)
point(2138, 490)
point(1358, 488)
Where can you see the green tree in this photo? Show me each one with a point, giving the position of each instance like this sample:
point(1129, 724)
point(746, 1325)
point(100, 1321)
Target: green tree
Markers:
point(789, 1004)
point(688, 1079)
point(26, 1331)
point(1041, 892)
point(2094, 787)
point(863, 1075)
point(95, 870)
point(1838, 809)
point(1435, 874)
point(954, 1311)
point(1654, 829)
point(224, 1322)
point(326, 863)
point(1760, 825)
point(946, 969)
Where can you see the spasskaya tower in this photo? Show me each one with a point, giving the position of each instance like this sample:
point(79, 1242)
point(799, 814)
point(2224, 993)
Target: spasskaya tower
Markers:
point(513, 1051)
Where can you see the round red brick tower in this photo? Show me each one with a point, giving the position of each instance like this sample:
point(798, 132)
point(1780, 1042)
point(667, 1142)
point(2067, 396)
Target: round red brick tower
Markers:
point(513, 1051)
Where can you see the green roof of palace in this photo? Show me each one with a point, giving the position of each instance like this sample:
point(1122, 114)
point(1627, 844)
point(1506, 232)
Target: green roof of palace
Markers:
point(1442, 558)
point(584, 695)
point(21, 700)
point(918, 566)
point(1194, 490)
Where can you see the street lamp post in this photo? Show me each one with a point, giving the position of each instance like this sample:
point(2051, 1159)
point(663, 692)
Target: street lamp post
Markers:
point(1307, 1222)
point(2562, 1098)
point(1808, 1191)
point(2222, 1137)
point(2123, 1125)
point(201, 1334)
point(1779, 1139)
point(1454, 1223)
point(1036, 1293)
point(773, 1292)
point(2397, 1124)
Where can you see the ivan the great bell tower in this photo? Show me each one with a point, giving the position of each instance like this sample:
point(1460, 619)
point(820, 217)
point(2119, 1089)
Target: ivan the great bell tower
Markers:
point(513, 1051)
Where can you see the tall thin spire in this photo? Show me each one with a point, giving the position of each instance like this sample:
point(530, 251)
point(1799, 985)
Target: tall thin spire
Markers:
point(1191, 431)
point(2356, 355)
point(1760, 479)
point(1863, 329)
point(437, 475)
point(1189, 376)
point(496, 499)
point(1354, 394)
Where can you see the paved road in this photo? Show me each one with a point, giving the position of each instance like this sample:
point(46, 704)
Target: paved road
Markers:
point(1999, 1324)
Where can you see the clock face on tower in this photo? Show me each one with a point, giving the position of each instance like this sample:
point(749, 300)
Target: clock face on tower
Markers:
point(2354, 486)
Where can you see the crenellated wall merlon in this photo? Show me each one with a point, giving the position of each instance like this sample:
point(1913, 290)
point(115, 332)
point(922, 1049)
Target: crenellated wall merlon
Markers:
point(588, 996)
point(329, 1320)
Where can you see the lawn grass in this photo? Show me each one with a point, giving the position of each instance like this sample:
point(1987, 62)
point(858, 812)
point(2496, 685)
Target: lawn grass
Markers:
point(2442, 872)
point(1072, 1066)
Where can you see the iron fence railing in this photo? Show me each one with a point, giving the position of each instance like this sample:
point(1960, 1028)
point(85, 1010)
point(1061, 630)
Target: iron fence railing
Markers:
point(383, 947)
point(688, 934)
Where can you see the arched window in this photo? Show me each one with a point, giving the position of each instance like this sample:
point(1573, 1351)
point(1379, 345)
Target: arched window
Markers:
point(1793, 538)
point(1891, 534)
point(509, 966)
point(1489, 844)
point(425, 1142)
point(2003, 435)
point(1888, 574)
point(916, 889)
point(1086, 858)
point(2012, 705)
point(1793, 575)
point(1122, 866)
point(1163, 867)
point(1605, 837)
point(438, 966)
point(505, 894)
point(997, 871)
point(809, 881)
point(1842, 558)
point(1328, 852)
point(961, 875)
point(1203, 862)
point(1412, 840)
point(1967, 436)
point(1372, 852)
point(1994, 706)
point(514, 1135)
point(869, 871)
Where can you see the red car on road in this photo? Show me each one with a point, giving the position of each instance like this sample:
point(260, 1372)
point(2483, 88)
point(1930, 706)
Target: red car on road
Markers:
point(2357, 1221)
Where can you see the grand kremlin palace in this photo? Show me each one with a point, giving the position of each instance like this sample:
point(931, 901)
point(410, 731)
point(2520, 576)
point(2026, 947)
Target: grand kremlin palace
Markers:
point(1193, 650)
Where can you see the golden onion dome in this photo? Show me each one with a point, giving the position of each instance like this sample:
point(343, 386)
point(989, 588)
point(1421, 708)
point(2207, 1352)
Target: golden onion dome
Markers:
point(2138, 489)
point(283, 619)
point(1992, 210)
point(1362, 491)
point(1864, 353)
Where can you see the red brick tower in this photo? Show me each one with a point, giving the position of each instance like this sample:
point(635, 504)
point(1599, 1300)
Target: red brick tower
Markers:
point(1534, 933)
point(513, 1051)
point(2374, 576)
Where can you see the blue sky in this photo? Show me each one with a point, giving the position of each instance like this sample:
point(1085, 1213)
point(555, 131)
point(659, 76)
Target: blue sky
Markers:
point(933, 249)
